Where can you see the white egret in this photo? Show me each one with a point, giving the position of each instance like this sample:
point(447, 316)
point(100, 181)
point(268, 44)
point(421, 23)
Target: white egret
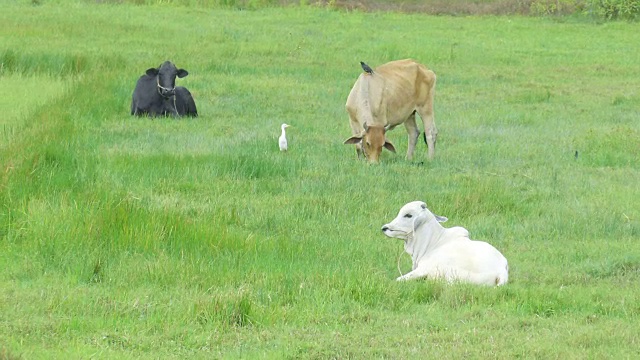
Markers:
point(282, 141)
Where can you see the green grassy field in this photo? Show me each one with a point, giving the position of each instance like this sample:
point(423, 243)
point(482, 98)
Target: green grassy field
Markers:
point(123, 237)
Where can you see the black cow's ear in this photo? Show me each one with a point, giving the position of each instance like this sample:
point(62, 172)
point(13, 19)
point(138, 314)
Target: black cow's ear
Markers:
point(182, 73)
point(152, 72)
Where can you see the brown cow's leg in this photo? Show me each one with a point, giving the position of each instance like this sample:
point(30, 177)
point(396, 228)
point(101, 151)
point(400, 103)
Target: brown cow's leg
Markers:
point(356, 130)
point(430, 130)
point(426, 95)
point(414, 133)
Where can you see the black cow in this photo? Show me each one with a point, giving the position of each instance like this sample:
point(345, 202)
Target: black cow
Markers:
point(185, 105)
point(156, 94)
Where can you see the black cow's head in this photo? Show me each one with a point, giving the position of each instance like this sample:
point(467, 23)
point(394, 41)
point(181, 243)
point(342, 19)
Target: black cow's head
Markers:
point(166, 77)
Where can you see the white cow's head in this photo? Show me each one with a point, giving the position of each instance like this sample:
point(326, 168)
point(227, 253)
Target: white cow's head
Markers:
point(410, 217)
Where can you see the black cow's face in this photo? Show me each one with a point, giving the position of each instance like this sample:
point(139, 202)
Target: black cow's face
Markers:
point(166, 77)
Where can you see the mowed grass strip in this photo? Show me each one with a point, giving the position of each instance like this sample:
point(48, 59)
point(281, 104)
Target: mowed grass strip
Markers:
point(131, 237)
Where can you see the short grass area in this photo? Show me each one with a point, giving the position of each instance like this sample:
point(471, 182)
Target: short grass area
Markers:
point(126, 237)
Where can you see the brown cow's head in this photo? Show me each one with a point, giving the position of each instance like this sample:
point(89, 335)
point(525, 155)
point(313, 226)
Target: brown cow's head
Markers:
point(372, 142)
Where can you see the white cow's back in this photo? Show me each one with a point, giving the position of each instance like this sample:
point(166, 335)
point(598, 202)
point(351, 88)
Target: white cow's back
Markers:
point(468, 260)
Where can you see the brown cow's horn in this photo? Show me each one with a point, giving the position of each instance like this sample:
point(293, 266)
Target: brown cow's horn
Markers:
point(366, 127)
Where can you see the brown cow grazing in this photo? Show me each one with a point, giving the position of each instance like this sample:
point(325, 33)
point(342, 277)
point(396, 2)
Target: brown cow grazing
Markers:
point(387, 97)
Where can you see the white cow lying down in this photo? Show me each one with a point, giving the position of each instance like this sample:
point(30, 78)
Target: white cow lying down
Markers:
point(441, 253)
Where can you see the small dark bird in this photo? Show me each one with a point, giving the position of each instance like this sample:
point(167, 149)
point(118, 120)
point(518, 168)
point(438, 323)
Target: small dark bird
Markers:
point(576, 154)
point(366, 68)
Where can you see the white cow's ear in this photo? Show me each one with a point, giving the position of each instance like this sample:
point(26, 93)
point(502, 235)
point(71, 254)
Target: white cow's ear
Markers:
point(419, 221)
point(441, 218)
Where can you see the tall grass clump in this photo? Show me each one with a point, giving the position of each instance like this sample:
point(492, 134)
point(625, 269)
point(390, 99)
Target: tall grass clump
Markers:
point(556, 7)
point(614, 9)
point(52, 64)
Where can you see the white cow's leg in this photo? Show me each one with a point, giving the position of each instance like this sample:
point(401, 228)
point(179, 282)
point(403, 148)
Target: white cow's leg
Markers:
point(415, 274)
point(413, 132)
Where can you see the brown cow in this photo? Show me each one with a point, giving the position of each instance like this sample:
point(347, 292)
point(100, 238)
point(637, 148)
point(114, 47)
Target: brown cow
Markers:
point(387, 97)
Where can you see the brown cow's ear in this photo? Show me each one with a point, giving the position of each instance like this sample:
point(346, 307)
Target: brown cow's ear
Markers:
point(152, 72)
point(354, 140)
point(389, 146)
point(182, 73)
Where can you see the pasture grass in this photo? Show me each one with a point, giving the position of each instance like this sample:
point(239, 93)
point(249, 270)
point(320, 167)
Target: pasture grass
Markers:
point(129, 237)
